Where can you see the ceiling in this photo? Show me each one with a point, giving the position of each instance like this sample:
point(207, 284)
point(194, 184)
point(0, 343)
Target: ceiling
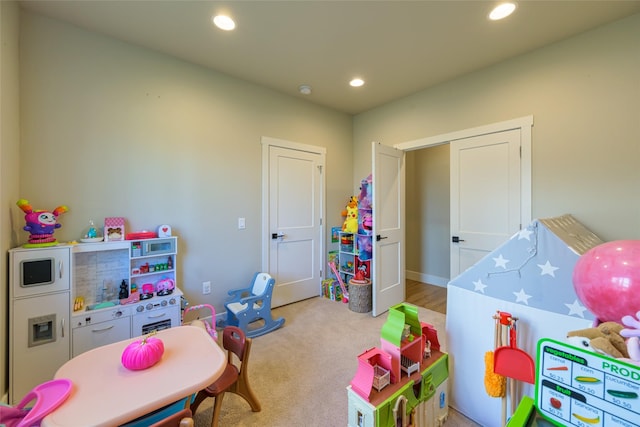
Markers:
point(397, 47)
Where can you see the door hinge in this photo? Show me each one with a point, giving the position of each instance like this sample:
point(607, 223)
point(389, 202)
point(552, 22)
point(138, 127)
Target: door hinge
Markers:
point(320, 168)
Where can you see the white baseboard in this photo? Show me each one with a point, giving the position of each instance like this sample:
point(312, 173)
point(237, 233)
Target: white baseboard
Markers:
point(427, 278)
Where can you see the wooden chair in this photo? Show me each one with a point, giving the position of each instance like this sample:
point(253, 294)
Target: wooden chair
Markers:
point(178, 419)
point(234, 378)
point(250, 308)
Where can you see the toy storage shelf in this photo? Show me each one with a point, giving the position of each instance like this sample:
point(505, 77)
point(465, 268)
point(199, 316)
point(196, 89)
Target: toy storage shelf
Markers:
point(355, 254)
point(347, 253)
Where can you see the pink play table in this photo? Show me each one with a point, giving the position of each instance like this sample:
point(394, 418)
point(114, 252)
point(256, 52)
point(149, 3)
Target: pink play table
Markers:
point(105, 393)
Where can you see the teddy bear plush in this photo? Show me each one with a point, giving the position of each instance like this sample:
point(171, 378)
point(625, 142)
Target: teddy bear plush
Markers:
point(604, 339)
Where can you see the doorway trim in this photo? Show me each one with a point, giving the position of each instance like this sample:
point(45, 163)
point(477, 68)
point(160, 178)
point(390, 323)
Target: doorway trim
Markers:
point(268, 142)
point(524, 124)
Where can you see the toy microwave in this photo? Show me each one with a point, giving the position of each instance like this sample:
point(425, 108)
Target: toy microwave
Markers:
point(153, 247)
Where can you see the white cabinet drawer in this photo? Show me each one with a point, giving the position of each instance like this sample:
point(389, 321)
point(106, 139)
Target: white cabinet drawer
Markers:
point(95, 335)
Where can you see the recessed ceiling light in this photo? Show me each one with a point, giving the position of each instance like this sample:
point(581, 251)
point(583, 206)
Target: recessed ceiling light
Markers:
point(356, 82)
point(501, 11)
point(224, 22)
point(305, 89)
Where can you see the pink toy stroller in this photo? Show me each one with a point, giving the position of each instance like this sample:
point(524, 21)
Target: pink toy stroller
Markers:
point(199, 314)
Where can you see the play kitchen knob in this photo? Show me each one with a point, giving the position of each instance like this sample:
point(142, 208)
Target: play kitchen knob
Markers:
point(140, 308)
point(172, 301)
point(163, 302)
point(149, 306)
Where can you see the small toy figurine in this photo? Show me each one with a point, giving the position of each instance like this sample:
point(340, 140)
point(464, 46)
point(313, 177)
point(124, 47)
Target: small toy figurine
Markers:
point(124, 290)
point(41, 224)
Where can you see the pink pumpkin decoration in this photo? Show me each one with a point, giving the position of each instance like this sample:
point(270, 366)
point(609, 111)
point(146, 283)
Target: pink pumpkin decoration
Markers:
point(142, 354)
point(607, 279)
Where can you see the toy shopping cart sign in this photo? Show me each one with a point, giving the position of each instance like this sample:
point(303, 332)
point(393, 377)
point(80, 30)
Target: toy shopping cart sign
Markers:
point(575, 387)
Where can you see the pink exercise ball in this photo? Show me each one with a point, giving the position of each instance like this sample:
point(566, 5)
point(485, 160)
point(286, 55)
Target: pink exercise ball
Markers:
point(607, 279)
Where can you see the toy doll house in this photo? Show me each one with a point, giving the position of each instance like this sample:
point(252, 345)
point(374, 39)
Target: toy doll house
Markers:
point(529, 276)
point(395, 385)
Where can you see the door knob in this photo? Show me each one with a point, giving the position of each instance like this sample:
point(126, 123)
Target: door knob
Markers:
point(456, 239)
point(379, 237)
point(276, 236)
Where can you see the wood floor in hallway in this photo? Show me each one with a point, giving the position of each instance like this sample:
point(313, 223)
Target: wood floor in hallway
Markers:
point(428, 296)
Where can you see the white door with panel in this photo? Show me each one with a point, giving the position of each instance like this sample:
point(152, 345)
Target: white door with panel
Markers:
point(485, 195)
point(293, 243)
point(388, 227)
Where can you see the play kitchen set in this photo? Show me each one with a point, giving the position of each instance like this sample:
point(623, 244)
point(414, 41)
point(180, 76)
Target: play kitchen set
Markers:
point(405, 381)
point(65, 299)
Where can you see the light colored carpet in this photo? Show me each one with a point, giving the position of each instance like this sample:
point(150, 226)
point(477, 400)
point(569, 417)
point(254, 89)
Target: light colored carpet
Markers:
point(300, 372)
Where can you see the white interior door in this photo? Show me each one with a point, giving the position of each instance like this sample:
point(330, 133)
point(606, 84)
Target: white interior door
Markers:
point(293, 231)
point(485, 195)
point(388, 227)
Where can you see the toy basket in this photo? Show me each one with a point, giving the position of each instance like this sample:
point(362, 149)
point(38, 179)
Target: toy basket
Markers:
point(199, 314)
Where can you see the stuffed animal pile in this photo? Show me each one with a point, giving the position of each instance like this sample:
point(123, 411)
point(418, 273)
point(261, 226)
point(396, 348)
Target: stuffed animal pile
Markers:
point(611, 339)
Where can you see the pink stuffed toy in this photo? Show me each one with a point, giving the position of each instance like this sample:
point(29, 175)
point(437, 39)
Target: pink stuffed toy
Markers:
point(40, 223)
point(632, 333)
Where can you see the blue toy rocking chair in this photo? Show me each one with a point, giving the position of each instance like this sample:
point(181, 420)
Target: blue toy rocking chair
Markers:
point(250, 308)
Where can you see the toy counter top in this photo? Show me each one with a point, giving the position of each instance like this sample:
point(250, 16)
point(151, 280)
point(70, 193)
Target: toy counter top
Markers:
point(438, 367)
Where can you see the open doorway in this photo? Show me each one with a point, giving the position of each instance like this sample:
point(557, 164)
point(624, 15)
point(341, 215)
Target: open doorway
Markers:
point(427, 215)
point(431, 166)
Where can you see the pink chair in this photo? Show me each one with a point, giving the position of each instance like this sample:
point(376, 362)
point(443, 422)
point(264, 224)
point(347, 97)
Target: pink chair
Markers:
point(47, 396)
point(234, 379)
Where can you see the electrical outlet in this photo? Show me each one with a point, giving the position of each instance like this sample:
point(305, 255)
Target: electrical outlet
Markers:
point(206, 288)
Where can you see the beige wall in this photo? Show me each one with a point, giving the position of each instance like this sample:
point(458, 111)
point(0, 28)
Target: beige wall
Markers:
point(427, 215)
point(9, 159)
point(110, 129)
point(584, 96)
